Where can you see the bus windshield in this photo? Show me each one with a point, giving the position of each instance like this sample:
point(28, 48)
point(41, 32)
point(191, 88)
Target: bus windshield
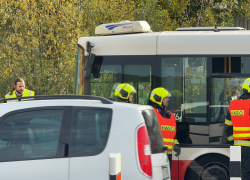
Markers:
point(110, 71)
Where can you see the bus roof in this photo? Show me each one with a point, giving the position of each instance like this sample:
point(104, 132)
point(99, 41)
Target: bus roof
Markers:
point(210, 29)
point(171, 43)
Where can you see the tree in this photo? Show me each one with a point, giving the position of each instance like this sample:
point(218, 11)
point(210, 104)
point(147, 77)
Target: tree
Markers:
point(38, 40)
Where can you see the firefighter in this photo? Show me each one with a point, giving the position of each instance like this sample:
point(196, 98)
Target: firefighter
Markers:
point(19, 90)
point(124, 93)
point(238, 127)
point(159, 101)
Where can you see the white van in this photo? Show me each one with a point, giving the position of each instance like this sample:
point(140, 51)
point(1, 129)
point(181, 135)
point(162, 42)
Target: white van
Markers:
point(70, 138)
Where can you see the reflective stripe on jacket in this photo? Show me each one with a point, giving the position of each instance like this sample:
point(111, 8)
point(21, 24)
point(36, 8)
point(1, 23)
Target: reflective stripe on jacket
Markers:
point(26, 93)
point(239, 111)
point(242, 143)
point(168, 129)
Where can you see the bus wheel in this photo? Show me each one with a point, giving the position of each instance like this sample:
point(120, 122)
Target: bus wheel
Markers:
point(214, 171)
point(209, 167)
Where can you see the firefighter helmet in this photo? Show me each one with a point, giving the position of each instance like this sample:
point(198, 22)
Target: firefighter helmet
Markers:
point(124, 90)
point(246, 85)
point(158, 94)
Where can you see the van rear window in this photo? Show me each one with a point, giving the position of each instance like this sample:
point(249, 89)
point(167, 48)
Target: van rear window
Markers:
point(153, 128)
point(90, 131)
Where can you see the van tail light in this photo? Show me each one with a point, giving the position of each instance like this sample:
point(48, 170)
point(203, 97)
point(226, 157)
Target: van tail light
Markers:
point(144, 151)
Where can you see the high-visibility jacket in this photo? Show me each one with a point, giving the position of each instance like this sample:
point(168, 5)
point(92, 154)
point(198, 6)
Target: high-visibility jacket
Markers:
point(168, 129)
point(26, 93)
point(239, 117)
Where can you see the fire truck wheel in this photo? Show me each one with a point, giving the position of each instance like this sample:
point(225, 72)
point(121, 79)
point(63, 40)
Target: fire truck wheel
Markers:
point(209, 167)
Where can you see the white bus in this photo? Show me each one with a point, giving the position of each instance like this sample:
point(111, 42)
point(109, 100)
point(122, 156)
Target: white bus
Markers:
point(202, 67)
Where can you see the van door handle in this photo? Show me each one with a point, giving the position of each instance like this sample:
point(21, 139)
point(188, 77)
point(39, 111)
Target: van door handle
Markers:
point(64, 149)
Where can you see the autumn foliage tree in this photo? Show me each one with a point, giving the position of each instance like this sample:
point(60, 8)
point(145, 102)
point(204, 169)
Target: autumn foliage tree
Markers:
point(38, 40)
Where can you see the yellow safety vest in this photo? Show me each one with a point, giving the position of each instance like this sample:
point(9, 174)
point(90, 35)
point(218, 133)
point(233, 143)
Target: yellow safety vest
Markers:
point(26, 93)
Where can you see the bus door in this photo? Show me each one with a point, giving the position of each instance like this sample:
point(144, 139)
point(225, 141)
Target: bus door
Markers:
point(186, 78)
point(110, 71)
point(228, 74)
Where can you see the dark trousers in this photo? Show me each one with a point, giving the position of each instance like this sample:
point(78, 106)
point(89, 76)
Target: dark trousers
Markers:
point(170, 160)
point(245, 162)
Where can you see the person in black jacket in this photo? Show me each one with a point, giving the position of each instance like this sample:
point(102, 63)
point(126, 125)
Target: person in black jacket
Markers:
point(158, 99)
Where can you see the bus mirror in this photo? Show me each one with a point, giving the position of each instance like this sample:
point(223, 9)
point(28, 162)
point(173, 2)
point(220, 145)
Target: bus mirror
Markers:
point(89, 46)
point(88, 65)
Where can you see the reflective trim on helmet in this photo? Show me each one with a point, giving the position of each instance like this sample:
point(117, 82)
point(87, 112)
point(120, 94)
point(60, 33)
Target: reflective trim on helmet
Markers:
point(134, 89)
point(117, 88)
point(169, 93)
point(247, 82)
